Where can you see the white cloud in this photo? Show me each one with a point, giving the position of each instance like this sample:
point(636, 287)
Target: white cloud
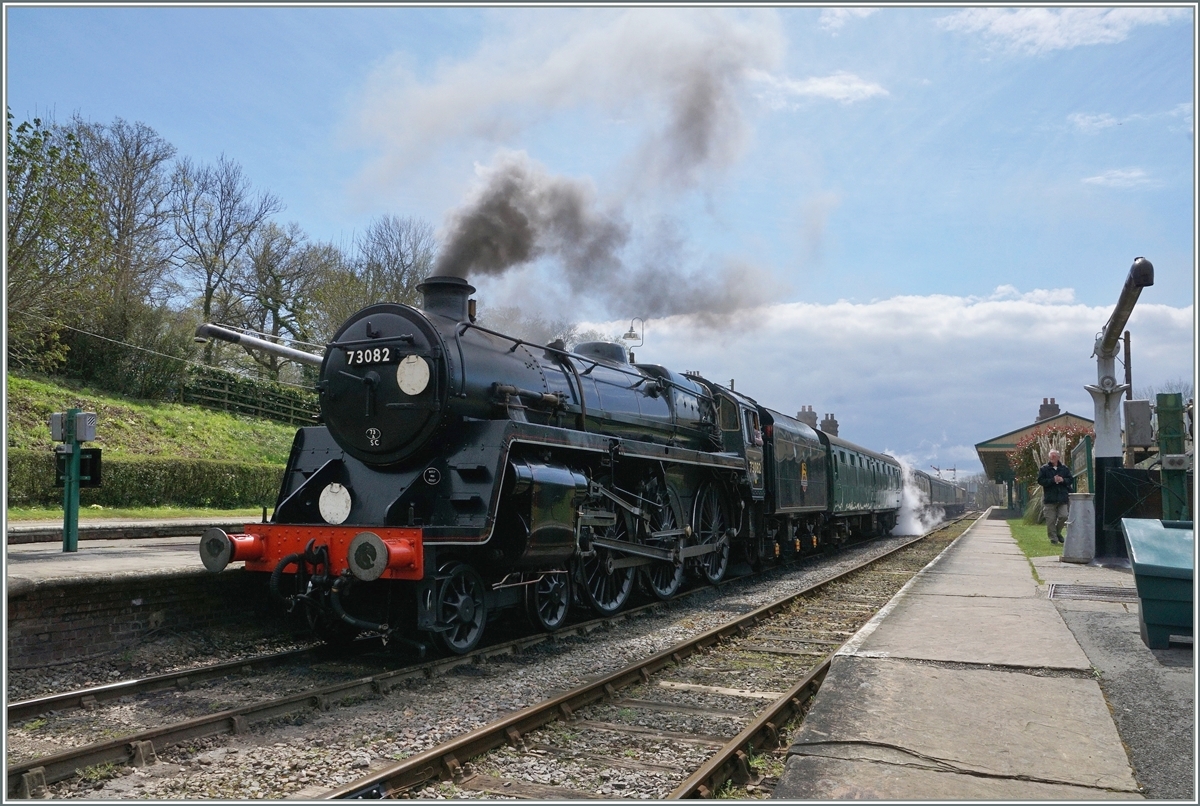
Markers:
point(1184, 111)
point(1096, 122)
point(1041, 30)
point(1120, 178)
point(926, 376)
point(845, 87)
point(832, 19)
point(1091, 123)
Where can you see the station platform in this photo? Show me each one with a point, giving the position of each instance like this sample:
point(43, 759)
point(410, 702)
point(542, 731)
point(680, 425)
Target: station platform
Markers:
point(18, 532)
point(974, 684)
point(112, 594)
point(106, 550)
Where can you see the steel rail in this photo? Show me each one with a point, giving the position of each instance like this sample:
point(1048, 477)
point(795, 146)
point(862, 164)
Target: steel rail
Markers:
point(180, 678)
point(132, 749)
point(445, 760)
point(731, 762)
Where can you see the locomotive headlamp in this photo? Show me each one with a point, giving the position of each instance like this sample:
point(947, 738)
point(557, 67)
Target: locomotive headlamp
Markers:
point(633, 334)
point(412, 375)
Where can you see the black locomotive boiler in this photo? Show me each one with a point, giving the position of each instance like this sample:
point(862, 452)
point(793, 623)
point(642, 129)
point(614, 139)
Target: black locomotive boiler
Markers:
point(459, 472)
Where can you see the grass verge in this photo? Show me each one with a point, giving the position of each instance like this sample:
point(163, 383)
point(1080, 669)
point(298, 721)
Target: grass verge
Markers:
point(1033, 541)
point(131, 513)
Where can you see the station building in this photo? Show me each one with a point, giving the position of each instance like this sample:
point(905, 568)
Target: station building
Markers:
point(993, 453)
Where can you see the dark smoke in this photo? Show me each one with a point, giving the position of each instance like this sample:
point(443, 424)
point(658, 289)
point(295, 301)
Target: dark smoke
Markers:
point(522, 213)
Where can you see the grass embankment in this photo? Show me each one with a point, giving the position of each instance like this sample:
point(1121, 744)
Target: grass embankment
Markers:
point(129, 427)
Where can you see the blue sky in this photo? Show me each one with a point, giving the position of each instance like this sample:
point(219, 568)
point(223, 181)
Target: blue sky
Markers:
point(901, 172)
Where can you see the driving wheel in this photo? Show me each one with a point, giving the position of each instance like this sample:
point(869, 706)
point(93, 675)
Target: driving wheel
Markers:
point(663, 578)
point(607, 588)
point(460, 609)
point(710, 522)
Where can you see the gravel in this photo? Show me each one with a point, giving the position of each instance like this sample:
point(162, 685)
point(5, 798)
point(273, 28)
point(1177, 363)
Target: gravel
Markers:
point(304, 755)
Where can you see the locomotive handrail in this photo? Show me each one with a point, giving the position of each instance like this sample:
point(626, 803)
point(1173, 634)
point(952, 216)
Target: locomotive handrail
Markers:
point(568, 354)
point(206, 330)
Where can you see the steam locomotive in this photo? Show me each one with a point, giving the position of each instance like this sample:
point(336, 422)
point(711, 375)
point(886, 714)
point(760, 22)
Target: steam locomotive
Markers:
point(460, 472)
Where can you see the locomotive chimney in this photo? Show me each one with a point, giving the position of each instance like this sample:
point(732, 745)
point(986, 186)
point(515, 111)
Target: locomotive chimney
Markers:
point(807, 416)
point(447, 296)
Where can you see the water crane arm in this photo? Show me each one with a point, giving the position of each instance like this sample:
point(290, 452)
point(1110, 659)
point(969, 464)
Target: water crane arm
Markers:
point(1141, 275)
point(206, 331)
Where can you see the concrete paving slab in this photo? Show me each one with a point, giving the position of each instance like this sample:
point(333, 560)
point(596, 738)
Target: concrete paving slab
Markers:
point(1151, 694)
point(33, 564)
point(820, 778)
point(988, 585)
point(1050, 730)
point(1052, 569)
point(964, 629)
point(973, 564)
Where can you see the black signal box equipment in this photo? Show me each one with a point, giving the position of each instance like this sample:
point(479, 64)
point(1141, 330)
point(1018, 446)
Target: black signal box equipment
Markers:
point(89, 467)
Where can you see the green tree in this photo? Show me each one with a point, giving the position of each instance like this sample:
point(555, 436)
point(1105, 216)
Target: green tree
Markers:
point(55, 238)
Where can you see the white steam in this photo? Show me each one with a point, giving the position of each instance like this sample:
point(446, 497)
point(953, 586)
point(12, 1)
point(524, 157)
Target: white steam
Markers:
point(916, 516)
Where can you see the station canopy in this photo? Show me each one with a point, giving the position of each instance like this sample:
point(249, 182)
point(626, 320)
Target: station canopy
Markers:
point(993, 453)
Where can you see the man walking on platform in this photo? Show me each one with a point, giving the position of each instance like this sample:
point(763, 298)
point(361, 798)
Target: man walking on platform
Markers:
point(1057, 483)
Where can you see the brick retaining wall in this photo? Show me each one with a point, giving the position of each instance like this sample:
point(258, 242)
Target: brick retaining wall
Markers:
point(56, 621)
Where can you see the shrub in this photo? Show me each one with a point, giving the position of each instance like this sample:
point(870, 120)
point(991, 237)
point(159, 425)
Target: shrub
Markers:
point(1034, 448)
point(148, 481)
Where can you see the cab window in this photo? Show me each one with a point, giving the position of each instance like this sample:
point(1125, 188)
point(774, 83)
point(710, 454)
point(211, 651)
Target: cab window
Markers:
point(728, 414)
point(752, 433)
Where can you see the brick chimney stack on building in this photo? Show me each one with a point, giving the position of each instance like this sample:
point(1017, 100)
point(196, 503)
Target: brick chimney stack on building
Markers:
point(807, 416)
point(1048, 409)
point(829, 425)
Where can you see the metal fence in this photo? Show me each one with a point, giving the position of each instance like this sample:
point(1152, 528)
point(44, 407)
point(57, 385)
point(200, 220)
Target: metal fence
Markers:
point(229, 392)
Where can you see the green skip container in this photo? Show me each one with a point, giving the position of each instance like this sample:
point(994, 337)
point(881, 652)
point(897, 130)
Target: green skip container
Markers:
point(1161, 554)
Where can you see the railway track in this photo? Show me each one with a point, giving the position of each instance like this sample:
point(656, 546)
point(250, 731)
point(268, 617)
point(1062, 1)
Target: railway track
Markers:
point(30, 777)
point(681, 680)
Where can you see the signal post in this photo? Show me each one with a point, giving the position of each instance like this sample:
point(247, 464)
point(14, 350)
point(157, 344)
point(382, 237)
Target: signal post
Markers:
point(75, 466)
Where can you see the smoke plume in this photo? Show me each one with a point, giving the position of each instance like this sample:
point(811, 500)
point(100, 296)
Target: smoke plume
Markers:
point(676, 76)
point(520, 213)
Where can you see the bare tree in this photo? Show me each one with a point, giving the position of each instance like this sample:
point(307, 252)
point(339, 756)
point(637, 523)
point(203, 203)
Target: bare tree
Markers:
point(387, 264)
point(1181, 386)
point(216, 216)
point(131, 163)
point(277, 284)
point(394, 255)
